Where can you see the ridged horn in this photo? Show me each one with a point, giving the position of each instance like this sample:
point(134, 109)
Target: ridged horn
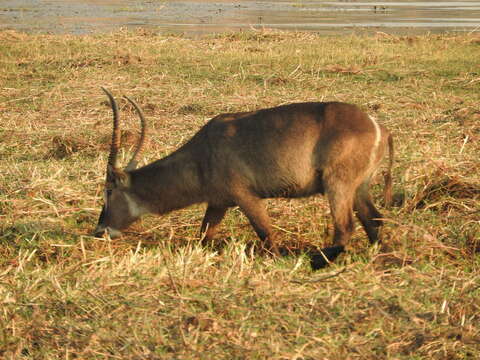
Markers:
point(115, 146)
point(141, 142)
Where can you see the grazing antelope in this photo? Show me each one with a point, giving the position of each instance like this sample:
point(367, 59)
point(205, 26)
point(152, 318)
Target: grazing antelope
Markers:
point(238, 159)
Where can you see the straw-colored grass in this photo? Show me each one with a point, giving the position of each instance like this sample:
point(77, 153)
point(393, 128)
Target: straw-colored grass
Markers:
point(156, 293)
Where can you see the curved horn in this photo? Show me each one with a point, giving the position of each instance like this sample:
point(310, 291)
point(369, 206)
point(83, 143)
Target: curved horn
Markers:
point(141, 142)
point(112, 158)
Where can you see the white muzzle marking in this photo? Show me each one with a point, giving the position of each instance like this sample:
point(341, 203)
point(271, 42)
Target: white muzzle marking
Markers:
point(135, 209)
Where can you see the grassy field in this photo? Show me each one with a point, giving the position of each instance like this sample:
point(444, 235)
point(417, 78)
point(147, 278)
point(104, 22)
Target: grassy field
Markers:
point(156, 293)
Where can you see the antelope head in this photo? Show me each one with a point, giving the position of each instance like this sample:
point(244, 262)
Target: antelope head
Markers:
point(119, 209)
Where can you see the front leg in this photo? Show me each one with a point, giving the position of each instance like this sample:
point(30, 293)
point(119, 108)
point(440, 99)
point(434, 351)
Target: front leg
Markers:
point(255, 211)
point(211, 220)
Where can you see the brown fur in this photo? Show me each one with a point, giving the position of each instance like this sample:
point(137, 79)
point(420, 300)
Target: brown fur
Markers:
point(289, 151)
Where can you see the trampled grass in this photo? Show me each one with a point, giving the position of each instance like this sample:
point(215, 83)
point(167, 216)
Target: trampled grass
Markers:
point(156, 293)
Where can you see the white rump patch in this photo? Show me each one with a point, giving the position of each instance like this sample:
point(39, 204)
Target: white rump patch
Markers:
point(373, 153)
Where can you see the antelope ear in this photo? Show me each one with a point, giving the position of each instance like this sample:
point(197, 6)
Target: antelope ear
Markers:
point(122, 178)
point(118, 177)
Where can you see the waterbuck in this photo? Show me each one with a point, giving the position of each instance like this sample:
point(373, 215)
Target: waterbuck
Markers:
point(239, 159)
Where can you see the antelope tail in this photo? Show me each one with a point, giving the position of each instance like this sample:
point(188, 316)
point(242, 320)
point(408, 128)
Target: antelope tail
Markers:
point(387, 175)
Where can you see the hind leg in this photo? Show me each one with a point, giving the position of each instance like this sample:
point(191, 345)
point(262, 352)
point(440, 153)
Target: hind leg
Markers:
point(342, 214)
point(341, 200)
point(367, 213)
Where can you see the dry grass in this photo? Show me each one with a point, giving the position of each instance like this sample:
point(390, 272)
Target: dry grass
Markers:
point(155, 293)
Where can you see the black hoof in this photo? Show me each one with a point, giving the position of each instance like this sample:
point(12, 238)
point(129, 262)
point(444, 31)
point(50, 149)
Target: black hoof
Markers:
point(319, 260)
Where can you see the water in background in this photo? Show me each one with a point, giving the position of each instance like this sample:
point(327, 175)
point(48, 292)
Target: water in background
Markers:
point(206, 16)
